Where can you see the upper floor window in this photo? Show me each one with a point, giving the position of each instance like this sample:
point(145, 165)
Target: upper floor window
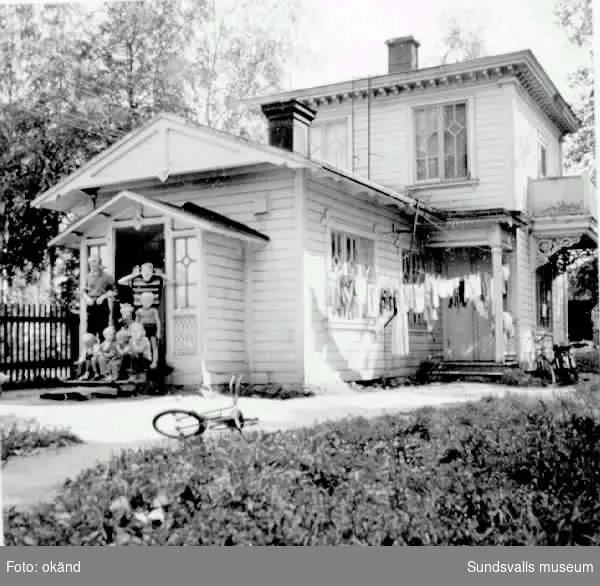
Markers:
point(351, 275)
point(329, 141)
point(542, 165)
point(441, 136)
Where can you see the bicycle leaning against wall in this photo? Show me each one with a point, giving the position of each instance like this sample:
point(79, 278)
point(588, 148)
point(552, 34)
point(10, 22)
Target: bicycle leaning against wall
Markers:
point(561, 368)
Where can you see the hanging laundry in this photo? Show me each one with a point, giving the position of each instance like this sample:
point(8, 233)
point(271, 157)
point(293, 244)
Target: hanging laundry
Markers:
point(361, 292)
point(400, 340)
point(419, 299)
point(506, 274)
point(436, 292)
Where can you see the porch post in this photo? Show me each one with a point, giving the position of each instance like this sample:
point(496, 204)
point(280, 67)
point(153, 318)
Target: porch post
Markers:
point(83, 271)
point(498, 301)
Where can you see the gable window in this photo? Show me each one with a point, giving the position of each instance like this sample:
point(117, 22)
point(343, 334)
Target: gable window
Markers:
point(441, 137)
point(351, 275)
point(542, 165)
point(329, 141)
point(544, 279)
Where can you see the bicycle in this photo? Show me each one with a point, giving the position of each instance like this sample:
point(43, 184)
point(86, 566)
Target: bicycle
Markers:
point(561, 368)
point(190, 423)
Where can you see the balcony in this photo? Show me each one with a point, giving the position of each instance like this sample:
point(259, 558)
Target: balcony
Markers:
point(563, 208)
point(562, 196)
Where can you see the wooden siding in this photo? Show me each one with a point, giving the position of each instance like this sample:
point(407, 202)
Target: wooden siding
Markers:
point(271, 285)
point(386, 135)
point(223, 323)
point(531, 130)
point(351, 352)
point(525, 281)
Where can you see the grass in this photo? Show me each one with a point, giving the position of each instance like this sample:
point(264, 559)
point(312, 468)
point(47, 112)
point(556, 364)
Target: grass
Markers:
point(20, 437)
point(496, 472)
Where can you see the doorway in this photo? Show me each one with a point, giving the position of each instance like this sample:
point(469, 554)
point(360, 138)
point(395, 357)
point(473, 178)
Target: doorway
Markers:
point(468, 335)
point(133, 248)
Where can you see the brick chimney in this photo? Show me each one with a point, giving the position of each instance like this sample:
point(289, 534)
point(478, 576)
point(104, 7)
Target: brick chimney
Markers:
point(403, 54)
point(288, 125)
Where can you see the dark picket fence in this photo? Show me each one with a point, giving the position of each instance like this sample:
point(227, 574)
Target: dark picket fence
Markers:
point(38, 343)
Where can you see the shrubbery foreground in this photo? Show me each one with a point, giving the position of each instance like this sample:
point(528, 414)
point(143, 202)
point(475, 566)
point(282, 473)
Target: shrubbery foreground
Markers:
point(497, 472)
point(20, 437)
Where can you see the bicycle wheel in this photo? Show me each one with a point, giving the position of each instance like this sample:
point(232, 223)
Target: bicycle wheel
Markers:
point(179, 424)
point(545, 371)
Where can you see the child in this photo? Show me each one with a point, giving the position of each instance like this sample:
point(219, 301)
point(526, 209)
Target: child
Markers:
point(148, 316)
point(105, 354)
point(146, 279)
point(126, 316)
point(141, 351)
point(121, 363)
point(86, 364)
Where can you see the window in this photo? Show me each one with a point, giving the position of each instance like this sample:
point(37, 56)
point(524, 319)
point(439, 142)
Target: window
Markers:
point(544, 280)
point(98, 251)
point(329, 142)
point(186, 272)
point(351, 275)
point(542, 170)
point(441, 139)
point(414, 269)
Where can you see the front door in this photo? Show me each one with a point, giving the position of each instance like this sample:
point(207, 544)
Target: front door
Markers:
point(468, 334)
point(133, 248)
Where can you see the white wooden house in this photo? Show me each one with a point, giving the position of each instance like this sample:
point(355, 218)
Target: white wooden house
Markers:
point(449, 174)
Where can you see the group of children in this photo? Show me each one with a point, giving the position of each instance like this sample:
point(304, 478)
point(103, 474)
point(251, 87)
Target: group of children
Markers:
point(126, 352)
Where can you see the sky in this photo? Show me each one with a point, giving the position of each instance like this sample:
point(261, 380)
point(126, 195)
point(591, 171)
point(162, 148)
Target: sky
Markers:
point(347, 37)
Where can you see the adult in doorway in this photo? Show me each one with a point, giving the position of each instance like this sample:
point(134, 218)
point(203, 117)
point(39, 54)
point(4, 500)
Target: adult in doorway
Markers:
point(98, 296)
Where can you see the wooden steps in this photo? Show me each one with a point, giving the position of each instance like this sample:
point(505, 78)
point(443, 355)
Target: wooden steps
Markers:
point(468, 370)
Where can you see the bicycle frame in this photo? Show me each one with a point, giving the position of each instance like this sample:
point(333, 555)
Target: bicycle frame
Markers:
point(221, 418)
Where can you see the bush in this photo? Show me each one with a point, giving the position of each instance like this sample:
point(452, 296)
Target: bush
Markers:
point(515, 377)
point(274, 391)
point(24, 437)
point(588, 360)
point(498, 472)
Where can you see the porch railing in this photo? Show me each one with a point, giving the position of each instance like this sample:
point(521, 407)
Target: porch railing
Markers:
point(38, 343)
point(560, 196)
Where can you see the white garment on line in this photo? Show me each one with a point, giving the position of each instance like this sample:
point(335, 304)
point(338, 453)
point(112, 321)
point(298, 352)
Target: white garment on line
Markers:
point(400, 341)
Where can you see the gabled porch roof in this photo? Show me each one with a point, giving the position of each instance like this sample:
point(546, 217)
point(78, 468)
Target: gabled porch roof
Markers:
point(169, 145)
point(188, 214)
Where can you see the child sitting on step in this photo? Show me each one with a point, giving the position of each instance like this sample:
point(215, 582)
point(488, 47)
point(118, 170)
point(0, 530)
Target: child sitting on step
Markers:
point(86, 367)
point(121, 363)
point(105, 354)
point(141, 352)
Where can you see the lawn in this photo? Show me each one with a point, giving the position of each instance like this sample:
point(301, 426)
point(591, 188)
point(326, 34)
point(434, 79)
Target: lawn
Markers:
point(496, 472)
point(23, 437)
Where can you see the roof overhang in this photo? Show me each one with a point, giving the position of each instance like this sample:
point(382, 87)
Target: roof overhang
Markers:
point(521, 65)
point(170, 146)
point(166, 146)
point(189, 215)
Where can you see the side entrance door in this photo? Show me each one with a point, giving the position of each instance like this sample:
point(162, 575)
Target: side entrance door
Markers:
point(468, 336)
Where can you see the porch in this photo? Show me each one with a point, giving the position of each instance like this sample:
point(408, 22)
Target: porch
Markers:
point(478, 254)
point(563, 212)
point(182, 242)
